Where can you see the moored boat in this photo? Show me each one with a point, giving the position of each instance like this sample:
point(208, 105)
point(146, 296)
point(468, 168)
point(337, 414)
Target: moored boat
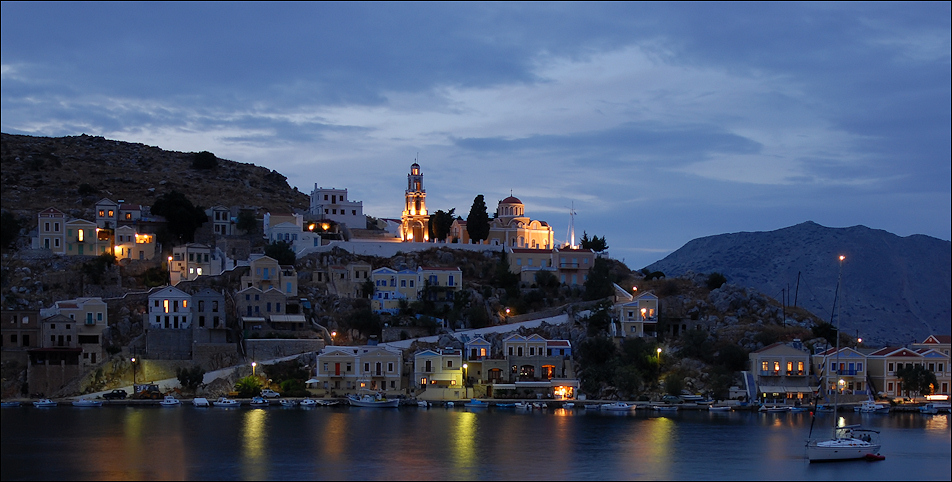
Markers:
point(226, 402)
point(474, 403)
point(259, 402)
point(287, 403)
point(85, 402)
point(869, 406)
point(9, 404)
point(170, 401)
point(847, 442)
point(200, 402)
point(719, 408)
point(44, 403)
point(307, 403)
point(618, 407)
point(373, 401)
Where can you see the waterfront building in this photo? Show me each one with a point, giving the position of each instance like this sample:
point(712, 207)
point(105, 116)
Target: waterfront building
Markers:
point(527, 365)
point(439, 375)
point(782, 373)
point(343, 370)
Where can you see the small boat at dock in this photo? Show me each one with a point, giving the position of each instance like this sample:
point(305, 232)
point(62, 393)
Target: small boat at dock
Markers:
point(170, 401)
point(85, 402)
point(200, 402)
point(44, 403)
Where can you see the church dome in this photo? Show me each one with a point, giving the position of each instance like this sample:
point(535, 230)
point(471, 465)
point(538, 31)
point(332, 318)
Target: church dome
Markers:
point(511, 200)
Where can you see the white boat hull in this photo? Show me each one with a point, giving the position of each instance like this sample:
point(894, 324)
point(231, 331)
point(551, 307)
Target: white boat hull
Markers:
point(840, 449)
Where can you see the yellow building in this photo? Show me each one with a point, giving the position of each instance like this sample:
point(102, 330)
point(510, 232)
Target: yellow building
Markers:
point(415, 220)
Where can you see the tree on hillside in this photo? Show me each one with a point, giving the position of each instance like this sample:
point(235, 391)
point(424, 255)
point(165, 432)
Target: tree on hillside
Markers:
point(595, 244)
point(715, 280)
point(477, 223)
point(10, 228)
point(183, 217)
point(247, 221)
point(440, 224)
point(505, 279)
point(282, 252)
point(204, 160)
point(599, 283)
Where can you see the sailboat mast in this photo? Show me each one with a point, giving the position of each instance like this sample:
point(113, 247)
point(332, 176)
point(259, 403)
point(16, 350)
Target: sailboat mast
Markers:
point(836, 389)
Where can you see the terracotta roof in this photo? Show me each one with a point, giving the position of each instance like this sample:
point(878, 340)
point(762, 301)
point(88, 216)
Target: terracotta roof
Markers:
point(511, 200)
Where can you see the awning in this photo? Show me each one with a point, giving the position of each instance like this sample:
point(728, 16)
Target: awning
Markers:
point(785, 389)
point(313, 380)
point(288, 319)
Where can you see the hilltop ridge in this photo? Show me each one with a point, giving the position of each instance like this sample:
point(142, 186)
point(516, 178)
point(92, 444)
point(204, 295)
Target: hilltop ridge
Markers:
point(76, 171)
point(895, 289)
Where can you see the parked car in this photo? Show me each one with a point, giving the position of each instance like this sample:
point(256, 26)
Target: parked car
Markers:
point(118, 394)
point(671, 399)
point(269, 393)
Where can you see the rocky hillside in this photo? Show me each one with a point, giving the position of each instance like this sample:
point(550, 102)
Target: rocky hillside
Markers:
point(895, 289)
point(72, 173)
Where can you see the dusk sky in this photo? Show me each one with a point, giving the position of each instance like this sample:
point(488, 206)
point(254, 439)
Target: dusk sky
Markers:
point(661, 122)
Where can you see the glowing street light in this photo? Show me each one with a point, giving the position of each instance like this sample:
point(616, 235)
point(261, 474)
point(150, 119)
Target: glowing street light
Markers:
point(253, 366)
point(133, 372)
point(170, 271)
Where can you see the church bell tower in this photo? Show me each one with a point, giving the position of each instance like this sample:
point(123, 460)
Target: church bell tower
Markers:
point(415, 220)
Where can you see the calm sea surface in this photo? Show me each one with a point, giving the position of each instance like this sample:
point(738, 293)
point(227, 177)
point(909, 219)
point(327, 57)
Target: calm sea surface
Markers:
point(143, 443)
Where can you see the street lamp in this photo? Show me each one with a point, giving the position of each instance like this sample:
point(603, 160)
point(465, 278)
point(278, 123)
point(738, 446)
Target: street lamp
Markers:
point(465, 387)
point(659, 355)
point(253, 366)
point(170, 271)
point(133, 372)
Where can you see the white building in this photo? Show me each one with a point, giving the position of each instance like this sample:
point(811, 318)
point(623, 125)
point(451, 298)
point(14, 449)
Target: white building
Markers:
point(169, 308)
point(330, 203)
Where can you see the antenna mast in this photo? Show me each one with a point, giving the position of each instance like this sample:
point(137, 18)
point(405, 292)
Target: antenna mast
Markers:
point(571, 232)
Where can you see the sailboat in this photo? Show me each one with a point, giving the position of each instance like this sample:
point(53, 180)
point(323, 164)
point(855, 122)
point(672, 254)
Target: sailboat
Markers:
point(850, 441)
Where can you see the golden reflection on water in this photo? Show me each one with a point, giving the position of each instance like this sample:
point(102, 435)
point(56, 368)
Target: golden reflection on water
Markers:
point(652, 454)
point(254, 442)
point(146, 452)
point(937, 422)
point(464, 445)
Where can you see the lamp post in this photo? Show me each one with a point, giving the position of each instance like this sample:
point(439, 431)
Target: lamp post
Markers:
point(253, 366)
point(659, 355)
point(133, 372)
point(170, 271)
point(465, 387)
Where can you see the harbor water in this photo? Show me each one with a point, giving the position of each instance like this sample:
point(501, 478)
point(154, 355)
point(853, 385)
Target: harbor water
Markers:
point(344, 443)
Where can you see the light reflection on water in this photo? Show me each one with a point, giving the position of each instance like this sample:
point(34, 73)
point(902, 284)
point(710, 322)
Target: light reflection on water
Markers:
point(124, 443)
point(254, 442)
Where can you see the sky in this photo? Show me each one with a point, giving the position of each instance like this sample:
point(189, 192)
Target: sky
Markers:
point(657, 122)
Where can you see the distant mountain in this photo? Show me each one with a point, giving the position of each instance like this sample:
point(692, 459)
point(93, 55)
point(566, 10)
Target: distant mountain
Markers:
point(73, 173)
point(895, 289)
